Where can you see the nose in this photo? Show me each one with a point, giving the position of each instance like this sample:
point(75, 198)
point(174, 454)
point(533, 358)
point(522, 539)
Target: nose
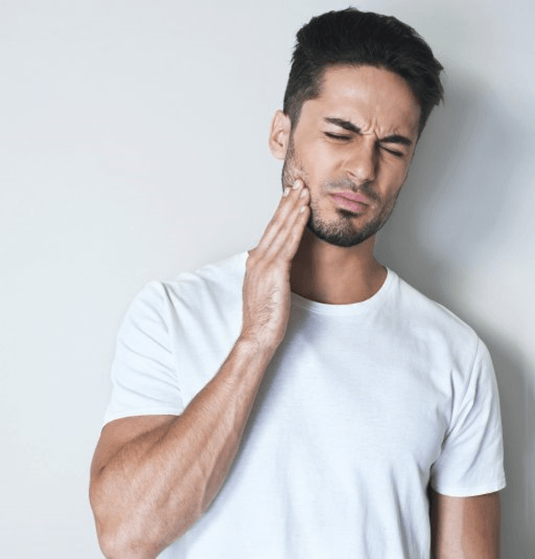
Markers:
point(361, 162)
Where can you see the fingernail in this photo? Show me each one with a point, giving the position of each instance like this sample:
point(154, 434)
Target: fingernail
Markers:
point(297, 184)
point(286, 192)
point(303, 193)
point(302, 209)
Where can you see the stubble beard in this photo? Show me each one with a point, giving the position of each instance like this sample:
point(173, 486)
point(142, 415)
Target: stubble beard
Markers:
point(341, 232)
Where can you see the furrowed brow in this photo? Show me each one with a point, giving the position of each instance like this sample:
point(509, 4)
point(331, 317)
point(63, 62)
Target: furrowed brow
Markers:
point(345, 124)
point(350, 127)
point(396, 139)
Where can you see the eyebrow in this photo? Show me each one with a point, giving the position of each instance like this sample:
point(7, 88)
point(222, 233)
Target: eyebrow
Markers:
point(350, 127)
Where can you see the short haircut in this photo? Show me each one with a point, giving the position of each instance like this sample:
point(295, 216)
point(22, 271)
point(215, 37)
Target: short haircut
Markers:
point(353, 38)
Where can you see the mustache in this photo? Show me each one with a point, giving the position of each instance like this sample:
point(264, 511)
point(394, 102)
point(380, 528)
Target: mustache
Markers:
point(347, 184)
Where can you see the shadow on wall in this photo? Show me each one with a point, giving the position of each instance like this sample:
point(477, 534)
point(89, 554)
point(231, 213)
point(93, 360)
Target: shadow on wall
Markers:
point(449, 217)
point(453, 203)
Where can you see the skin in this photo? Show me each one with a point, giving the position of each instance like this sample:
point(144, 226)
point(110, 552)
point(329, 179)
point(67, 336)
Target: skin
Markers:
point(381, 106)
point(465, 527)
point(153, 476)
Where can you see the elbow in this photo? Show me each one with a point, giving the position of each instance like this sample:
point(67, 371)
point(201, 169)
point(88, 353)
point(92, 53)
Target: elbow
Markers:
point(112, 549)
point(116, 544)
point(110, 546)
point(114, 537)
point(109, 541)
point(122, 535)
point(125, 531)
point(120, 544)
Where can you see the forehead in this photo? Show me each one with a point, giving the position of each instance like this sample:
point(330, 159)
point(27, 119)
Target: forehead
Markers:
point(369, 97)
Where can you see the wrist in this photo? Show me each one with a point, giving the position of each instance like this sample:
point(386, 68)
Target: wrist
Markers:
point(255, 347)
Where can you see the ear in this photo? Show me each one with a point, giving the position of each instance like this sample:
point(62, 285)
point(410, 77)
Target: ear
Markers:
point(279, 135)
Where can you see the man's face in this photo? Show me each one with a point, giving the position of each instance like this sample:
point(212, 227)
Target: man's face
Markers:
point(352, 147)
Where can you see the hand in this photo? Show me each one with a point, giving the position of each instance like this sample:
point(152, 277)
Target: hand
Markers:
point(266, 288)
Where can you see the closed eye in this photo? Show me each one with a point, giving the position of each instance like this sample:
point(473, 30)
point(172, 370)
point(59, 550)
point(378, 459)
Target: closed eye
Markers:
point(393, 152)
point(337, 136)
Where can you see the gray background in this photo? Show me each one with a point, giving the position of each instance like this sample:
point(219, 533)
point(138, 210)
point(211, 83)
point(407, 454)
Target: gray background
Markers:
point(133, 146)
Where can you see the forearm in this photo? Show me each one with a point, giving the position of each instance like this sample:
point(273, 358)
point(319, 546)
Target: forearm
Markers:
point(156, 486)
point(153, 478)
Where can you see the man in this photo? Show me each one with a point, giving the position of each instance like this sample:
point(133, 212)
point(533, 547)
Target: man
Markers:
point(301, 400)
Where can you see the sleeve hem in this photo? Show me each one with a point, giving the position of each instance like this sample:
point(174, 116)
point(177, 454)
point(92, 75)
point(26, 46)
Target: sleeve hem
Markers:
point(452, 491)
point(135, 413)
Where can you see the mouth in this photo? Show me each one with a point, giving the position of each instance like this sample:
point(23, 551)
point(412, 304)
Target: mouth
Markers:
point(351, 201)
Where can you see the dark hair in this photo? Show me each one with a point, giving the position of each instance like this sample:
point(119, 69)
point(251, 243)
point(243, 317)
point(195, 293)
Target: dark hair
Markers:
point(352, 37)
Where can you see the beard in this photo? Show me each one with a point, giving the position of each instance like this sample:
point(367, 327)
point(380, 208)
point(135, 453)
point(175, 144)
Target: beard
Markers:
point(343, 231)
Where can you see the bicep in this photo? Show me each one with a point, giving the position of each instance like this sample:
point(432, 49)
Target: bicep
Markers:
point(465, 527)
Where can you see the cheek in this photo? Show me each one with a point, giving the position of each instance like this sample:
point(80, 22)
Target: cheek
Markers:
point(393, 175)
point(319, 164)
point(391, 199)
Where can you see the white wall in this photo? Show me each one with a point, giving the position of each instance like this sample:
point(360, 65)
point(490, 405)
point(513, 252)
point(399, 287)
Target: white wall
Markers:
point(133, 146)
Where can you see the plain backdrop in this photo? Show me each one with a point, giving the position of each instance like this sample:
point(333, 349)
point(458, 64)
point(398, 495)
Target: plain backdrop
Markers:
point(133, 146)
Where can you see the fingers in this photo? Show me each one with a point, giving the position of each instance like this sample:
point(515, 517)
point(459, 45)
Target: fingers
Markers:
point(289, 197)
point(266, 288)
point(285, 229)
point(295, 233)
point(286, 242)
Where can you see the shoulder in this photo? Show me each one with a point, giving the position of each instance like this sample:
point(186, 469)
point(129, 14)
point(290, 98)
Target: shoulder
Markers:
point(221, 280)
point(219, 283)
point(430, 320)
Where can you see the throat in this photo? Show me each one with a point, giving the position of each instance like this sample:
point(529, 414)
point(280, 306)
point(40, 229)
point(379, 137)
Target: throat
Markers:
point(336, 275)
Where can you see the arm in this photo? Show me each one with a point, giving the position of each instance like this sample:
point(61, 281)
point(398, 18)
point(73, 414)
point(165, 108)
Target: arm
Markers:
point(152, 477)
point(465, 527)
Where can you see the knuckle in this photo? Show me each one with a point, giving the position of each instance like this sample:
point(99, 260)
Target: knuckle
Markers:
point(252, 261)
point(253, 255)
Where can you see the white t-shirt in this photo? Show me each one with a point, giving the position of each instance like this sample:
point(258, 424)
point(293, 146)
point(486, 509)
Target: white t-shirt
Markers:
point(362, 406)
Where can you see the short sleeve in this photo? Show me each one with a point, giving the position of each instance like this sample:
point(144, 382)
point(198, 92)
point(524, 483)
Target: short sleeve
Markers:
point(144, 377)
point(471, 459)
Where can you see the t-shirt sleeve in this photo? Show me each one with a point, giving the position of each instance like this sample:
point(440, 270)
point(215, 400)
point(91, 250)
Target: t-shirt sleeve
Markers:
point(143, 374)
point(471, 459)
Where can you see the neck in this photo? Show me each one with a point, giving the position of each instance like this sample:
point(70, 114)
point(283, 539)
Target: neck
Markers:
point(335, 275)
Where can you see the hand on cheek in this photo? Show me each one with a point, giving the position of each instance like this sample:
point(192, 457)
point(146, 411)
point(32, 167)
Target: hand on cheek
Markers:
point(266, 288)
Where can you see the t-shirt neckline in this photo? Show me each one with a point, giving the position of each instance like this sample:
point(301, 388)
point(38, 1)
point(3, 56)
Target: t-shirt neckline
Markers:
point(372, 302)
point(376, 300)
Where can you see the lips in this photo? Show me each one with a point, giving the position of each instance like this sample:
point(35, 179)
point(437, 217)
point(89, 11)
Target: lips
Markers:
point(350, 200)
